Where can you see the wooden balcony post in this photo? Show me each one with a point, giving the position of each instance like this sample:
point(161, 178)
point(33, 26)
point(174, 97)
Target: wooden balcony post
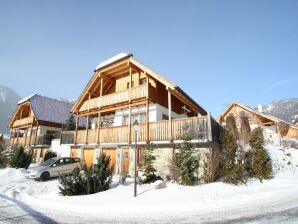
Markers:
point(87, 127)
point(209, 127)
point(170, 115)
point(10, 131)
point(30, 134)
point(130, 81)
point(76, 131)
point(36, 134)
point(129, 124)
point(98, 129)
point(26, 133)
point(18, 135)
point(147, 121)
point(99, 107)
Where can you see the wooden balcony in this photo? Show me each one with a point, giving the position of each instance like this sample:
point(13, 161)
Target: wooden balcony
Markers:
point(44, 140)
point(158, 132)
point(23, 121)
point(115, 98)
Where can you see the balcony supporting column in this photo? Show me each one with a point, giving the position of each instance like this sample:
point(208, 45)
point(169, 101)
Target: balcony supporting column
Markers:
point(76, 131)
point(170, 115)
point(99, 107)
point(87, 127)
point(147, 121)
point(129, 125)
point(130, 82)
point(18, 136)
point(26, 133)
point(31, 128)
point(36, 134)
point(98, 129)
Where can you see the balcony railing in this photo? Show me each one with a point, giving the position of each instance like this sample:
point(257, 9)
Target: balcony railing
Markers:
point(158, 131)
point(23, 121)
point(114, 98)
point(45, 139)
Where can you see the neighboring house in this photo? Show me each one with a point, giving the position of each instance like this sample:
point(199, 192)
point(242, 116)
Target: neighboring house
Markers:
point(36, 121)
point(274, 128)
point(123, 90)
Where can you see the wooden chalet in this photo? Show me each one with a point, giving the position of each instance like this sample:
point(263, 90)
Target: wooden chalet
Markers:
point(271, 125)
point(36, 121)
point(123, 90)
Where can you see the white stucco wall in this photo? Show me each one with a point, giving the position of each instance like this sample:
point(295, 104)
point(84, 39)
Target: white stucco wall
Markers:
point(61, 150)
point(269, 132)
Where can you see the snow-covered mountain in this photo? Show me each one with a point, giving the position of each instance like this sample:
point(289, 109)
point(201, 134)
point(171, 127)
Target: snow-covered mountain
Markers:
point(284, 109)
point(8, 103)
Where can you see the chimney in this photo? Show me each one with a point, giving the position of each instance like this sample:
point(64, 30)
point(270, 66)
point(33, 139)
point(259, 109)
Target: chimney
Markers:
point(260, 109)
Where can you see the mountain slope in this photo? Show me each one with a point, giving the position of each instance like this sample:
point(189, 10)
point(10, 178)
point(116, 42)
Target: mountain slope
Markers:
point(284, 109)
point(8, 103)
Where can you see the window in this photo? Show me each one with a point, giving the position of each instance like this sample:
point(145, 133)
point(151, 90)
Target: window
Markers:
point(141, 118)
point(59, 162)
point(143, 81)
point(165, 117)
point(68, 160)
point(132, 85)
point(125, 120)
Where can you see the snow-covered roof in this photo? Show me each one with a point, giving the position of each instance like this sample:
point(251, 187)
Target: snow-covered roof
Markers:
point(112, 59)
point(26, 99)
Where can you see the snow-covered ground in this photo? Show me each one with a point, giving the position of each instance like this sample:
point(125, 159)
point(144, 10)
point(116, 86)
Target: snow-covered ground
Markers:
point(205, 203)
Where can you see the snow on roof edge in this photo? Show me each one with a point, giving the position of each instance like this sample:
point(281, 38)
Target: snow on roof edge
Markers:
point(26, 98)
point(112, 59)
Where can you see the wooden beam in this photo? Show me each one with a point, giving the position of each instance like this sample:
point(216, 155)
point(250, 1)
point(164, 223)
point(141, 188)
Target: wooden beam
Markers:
point(36, 134)
point(30, 134)
point(129, 123)
point(147, 122)
point(170, 115)
point(114, 108)
point(76, 131)
point(98, 129)
point(130, 81)
point(89, 97)
point(209, 127)
point(105, 77)
point(87, 128)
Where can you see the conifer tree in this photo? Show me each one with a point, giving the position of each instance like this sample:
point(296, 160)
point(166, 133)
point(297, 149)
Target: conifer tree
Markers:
point(233, 170)
point(70, 123)
point(188, 160)
point(19, 158)
point(150, 175)
point(231, 124)
point(245, 130)
point(260, 162)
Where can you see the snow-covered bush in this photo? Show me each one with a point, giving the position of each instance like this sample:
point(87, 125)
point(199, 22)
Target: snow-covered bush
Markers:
point(149, 172)
point(49, 154)
point(87, 180)
point(19, 158)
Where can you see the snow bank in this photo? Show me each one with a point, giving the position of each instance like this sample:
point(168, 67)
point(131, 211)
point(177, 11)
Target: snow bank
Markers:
point(174, 200)
point(283, 159)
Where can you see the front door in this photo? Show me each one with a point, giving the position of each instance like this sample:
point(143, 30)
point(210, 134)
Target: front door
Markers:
point(112, 153)
point(125, 161)
point(88, 156)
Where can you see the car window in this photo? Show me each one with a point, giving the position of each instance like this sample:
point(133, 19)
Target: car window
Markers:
point(77, 160)
point(59, 162)
point(68, 160)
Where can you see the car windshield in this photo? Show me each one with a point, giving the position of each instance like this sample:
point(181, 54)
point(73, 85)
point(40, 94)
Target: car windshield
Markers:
point(48, 162)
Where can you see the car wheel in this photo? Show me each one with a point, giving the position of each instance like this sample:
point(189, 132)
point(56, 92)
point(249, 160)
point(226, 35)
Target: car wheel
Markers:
point(44, 176)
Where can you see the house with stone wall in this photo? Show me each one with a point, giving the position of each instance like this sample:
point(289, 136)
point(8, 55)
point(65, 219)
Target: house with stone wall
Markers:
point(121, 91)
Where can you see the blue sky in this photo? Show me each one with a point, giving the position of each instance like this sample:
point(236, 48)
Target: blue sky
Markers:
point(217, 51)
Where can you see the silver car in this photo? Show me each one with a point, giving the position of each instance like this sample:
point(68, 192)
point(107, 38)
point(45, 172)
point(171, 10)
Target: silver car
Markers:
point(53, 167)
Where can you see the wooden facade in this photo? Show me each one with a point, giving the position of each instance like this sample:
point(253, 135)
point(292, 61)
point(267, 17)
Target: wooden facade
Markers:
point(126, 84)
point(258, 118)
